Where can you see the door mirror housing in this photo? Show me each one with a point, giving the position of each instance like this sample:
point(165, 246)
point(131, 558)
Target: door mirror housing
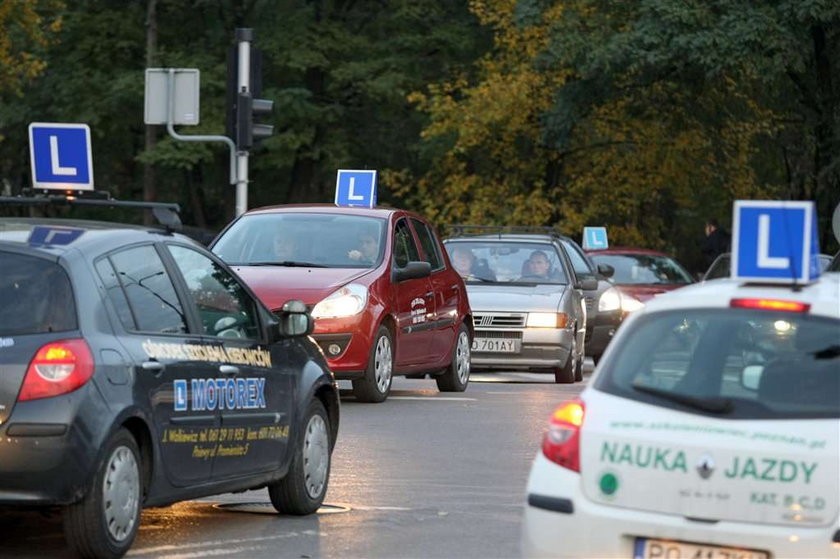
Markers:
point(587, 284)
point(413, 270)
point(293, 319)
point(606, 270)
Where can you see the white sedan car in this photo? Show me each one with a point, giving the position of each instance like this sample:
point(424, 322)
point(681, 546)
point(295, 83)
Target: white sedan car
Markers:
point(710, 430)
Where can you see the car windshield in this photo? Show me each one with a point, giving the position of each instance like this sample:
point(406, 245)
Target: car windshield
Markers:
point(644, 269)
point(720, 268)
point(507, 262)
point(730, 362)
point(325, 240)
point(35, 296)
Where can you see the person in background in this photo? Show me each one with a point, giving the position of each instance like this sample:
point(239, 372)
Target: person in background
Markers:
point(285, 248)
point(463, 260)
point(368, 250)
point(717, 241)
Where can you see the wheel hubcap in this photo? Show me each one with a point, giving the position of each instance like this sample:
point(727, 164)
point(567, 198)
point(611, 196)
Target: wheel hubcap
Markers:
point(120, 493)
point(316, 456)
point(382, 364)
point(462, 357)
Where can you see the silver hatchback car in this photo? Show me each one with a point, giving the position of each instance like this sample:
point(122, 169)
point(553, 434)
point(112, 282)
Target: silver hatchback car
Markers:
point(528, 306)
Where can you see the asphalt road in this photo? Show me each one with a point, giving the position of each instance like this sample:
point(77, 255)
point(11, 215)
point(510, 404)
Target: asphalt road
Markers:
point(424, 474)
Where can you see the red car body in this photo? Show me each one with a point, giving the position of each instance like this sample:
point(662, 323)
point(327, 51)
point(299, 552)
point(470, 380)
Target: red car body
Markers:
point(423, 314)
point(647, 285)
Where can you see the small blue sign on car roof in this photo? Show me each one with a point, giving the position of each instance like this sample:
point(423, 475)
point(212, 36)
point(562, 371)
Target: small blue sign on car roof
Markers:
point(355, 188)
point(595, 238)
point(60, 155)
point(775, 241)
point(53, 235)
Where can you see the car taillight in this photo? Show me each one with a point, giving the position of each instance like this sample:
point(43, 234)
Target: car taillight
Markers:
point(561, 442)
point(57, 368)
point(770, 305)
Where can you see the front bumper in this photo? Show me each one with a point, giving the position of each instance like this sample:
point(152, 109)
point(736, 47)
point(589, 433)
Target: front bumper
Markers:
point(346, 343)
point(596, 530)
point(600, 331)
point(539, 348)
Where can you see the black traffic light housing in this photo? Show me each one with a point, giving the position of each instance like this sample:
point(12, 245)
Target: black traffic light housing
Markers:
point(242, 106)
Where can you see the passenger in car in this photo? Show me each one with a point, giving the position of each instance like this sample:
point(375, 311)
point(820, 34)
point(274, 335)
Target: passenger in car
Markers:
point(469, 267)
point(537, 266)
point(286, 248)
point(368, 248)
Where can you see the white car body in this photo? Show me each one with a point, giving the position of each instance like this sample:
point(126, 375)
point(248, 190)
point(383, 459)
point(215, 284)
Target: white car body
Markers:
point(655, 481)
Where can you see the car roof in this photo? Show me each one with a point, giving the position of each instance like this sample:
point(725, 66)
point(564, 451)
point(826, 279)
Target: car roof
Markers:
point(98, 235)
point(379, 211)
point(542, 237)
point(823, 295)
point(626, 250)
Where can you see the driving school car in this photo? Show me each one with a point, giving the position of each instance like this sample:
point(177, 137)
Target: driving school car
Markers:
point(710, 429)
point(136, 370)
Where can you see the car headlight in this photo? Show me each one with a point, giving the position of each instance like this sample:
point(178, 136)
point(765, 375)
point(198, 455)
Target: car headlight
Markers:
point(345, 301)
point(630, 303)
point(547, 320)
point(610, 300)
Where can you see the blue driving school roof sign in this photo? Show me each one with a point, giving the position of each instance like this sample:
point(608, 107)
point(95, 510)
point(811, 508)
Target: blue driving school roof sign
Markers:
point(61, 156)
point(355, 188)
point(595, 238)
point(775, 242)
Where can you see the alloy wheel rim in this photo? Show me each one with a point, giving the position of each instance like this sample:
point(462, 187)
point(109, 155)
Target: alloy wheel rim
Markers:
point(316, 456)
point(120, 493)
point(382, 364)
point(462, 357)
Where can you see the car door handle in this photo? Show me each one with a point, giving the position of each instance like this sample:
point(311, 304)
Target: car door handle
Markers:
point(456, 287)
point(228, 370)
point(155, 367)
point(430, 294)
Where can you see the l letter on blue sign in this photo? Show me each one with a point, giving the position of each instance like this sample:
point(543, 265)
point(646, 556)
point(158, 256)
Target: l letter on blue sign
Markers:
point(774, 242)
point(355, 188)
point(61, 156)
point(595, 238)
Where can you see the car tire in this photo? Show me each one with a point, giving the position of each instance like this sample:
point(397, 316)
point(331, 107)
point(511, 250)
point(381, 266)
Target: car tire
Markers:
point(456, 377)
point(376, 384)
point(566, 373)
point(302, 491)
point(104, 522)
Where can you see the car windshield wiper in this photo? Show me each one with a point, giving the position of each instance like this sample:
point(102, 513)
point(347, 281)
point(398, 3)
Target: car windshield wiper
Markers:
point(289, 263)
point(830, 352)
point(712, 405)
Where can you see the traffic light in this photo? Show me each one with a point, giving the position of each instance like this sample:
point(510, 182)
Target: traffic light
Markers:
point(243, 109)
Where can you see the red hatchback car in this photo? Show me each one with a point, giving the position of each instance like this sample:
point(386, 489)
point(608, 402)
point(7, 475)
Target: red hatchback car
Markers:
point(385, 298)
point(641, 274)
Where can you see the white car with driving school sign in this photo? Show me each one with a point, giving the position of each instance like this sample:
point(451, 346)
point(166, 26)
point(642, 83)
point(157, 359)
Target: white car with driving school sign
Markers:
point(711, 429)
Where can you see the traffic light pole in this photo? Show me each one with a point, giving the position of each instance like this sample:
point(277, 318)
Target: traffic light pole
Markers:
point(243, 84)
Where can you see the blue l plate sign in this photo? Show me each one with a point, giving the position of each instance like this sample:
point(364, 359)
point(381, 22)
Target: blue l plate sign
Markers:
point(355, 188)
point(61, 156)
point(774, 242)
point(595, 238)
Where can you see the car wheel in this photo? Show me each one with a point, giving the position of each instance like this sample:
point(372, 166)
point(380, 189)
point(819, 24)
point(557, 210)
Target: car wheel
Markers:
point(104, 523)
point(302, 490)
point(376, 384)
point(456, 377)
point(566, 373)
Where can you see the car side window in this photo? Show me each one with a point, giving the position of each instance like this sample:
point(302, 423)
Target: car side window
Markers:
point(579, 263)
point(115, 293)
point(226, 310)
point(148, 289)
point(405, 250)
point(429, 244)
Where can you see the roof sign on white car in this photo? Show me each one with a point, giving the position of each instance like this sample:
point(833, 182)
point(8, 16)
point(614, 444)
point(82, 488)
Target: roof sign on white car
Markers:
point(595, 238)
point(775, 242)
point(355, 188)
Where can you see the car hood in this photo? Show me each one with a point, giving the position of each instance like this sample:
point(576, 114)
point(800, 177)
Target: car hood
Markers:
point(515, 298)
point(275, 285)
point(644, 292)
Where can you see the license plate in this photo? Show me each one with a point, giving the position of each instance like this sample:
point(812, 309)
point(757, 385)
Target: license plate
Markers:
point(495, 345)
point(665, 549)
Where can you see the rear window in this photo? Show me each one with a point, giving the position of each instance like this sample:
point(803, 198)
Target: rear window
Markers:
point(35, 296)
point(731, 363)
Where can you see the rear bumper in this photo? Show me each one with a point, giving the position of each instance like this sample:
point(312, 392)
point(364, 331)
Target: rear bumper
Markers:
point(595, 530)
point(50, 448)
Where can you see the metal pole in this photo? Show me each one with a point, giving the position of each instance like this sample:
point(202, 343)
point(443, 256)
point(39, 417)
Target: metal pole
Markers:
point(243, 39)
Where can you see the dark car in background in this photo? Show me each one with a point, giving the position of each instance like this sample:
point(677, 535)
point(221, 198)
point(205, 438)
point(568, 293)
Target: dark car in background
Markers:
point(641, 274)
point(383, 293)
point(137, 370)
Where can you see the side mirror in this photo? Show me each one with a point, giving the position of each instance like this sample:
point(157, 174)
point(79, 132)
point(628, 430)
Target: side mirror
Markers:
point(293, 320)
point(588, 284)
point(606, 270)
point(413, 270)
